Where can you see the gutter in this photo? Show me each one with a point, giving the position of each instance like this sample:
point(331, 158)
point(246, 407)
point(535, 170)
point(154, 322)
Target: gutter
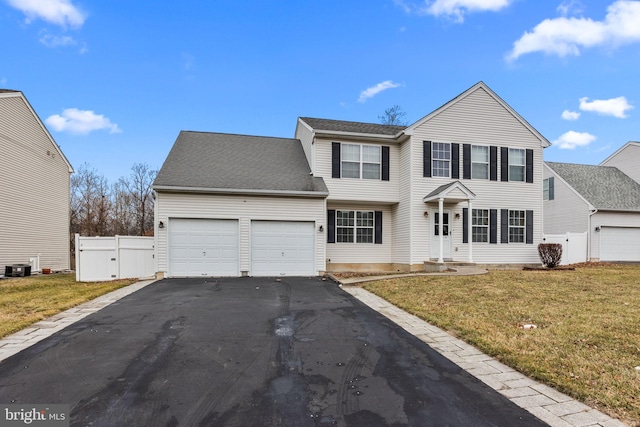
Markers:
point(240, 191)
point(593, 212)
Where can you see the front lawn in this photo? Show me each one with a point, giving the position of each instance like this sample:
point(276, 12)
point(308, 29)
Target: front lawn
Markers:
point(24, 301)
point(587, 340)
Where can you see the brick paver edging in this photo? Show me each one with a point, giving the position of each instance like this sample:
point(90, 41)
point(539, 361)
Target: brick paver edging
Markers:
point(549, 405)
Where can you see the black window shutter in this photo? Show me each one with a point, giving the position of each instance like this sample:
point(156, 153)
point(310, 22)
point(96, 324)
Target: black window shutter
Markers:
point(493, 226)
point(455, 161)
point(504, 225)
point(551, 190)
point(529, 165)
point(493, 163)
point(331, 226)
point(426, 159)
point(378, 228)
point(385, 163)
point(529, 227)
point(504, 164)
point(466, 161)
point(465, 225)
point(335, 160)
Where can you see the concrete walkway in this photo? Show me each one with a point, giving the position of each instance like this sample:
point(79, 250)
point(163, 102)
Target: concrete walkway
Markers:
point(549, 405)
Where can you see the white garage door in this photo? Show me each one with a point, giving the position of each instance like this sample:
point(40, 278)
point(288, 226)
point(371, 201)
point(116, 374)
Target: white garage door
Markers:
point(620, 244)
point(280, 248)
point(203, 247)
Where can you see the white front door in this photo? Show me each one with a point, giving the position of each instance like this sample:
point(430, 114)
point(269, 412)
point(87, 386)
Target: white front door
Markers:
point(437, 227)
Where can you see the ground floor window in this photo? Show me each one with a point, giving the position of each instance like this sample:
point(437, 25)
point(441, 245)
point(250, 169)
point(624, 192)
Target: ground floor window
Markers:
point(480, 225)
point(358, 225)
point(516, 226)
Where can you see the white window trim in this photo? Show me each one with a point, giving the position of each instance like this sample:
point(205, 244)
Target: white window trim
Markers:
point(481, 163)
point(355, 227)
point(523, 227)
point(361, 162)
point(523, 165)
point(433, 160)
point(480, 226)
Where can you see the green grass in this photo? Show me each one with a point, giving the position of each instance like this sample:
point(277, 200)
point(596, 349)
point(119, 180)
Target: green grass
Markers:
point(587, 343)
point(27, 300)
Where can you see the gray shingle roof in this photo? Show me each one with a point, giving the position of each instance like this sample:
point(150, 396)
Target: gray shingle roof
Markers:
point(605, 187)
point(353, 127)
point(207, 161)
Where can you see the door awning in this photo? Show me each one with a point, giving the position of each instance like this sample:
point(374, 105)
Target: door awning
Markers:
point(452, 192)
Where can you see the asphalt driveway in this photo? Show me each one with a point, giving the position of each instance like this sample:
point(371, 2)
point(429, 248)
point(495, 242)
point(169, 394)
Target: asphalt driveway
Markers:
point(248, 352)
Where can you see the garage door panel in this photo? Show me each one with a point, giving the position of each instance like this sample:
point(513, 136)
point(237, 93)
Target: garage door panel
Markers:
point(203, 247)
point(620, 244)
point(282, 248)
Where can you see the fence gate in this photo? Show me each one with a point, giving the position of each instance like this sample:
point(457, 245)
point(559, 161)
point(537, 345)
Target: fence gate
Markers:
point(574, 246)
point(110, 258)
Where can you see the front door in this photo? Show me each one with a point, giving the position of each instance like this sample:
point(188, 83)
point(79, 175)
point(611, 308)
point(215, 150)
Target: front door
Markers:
point(438, 227)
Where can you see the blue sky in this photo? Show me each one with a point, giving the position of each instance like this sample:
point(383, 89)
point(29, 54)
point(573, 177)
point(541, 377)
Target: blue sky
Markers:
point(115, 81)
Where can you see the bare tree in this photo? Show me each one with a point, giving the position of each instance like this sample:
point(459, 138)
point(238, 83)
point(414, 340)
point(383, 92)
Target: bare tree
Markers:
point(122, 209)
point(139, 186)
point(393, 116)
point(88, 209)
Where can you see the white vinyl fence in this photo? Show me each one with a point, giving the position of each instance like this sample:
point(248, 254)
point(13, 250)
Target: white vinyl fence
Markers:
point(110, 258)
point(574, 246)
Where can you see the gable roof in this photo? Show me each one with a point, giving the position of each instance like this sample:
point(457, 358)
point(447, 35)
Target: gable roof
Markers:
point(228, 163)
point(480, 86)
point(620, 150)
point(604, 187)
point(9, 93)
point(449, 191)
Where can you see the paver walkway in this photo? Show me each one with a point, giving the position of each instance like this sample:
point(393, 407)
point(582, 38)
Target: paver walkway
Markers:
point(549, 405)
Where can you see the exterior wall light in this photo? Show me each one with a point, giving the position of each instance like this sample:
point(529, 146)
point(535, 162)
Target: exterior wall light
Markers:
point(161, 224)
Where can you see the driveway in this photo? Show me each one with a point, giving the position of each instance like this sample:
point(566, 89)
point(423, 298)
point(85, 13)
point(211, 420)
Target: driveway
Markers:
point(248, 352)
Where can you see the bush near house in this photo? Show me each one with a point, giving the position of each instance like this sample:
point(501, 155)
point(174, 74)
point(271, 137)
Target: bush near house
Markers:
point(550, 254)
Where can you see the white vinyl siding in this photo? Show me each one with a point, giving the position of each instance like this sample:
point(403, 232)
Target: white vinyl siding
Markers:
point(363, 252)
point(477, 119)
point(363, 190)
point(567, 212)
point(34, 190)
point(627, 160)
point(244, 209)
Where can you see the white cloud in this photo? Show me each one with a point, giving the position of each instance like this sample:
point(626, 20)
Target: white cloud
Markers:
point(570, 115)
point(80, 122)
point(454, 9)
point(57, 41)
point(616, 107)
point(571, 140)
point(567, 36)
point(58, 12)
point(570, 7)
point(374, 90)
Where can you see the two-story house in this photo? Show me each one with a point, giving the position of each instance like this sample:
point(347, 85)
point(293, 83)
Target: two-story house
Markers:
point(34, 189)
point(463, 183)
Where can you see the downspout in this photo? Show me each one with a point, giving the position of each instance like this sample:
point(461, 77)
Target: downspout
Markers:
point(590, 230)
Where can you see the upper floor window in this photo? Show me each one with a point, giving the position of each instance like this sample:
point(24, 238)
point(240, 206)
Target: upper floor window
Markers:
point(479, 162)
point(517, 163)
point(547, 189)
point(441, 159)
point(361, 161)
point(516, 226)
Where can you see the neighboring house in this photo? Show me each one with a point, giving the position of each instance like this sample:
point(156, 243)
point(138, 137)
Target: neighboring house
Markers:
point(599, 200)
point(463, 184)
point(34, 189)
point(627, 159)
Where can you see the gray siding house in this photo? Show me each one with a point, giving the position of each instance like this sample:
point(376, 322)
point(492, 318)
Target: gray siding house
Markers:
point(34, 189)
point(600, 200)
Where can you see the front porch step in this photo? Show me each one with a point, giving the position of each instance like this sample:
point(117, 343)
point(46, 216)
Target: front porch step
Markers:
point(447, 265)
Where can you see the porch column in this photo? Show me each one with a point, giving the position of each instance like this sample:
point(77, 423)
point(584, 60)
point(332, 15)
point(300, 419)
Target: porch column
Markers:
point(441, 227)
point(470, 229)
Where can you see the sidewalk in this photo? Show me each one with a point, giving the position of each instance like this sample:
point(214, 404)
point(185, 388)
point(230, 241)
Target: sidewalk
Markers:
point(549, 405)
